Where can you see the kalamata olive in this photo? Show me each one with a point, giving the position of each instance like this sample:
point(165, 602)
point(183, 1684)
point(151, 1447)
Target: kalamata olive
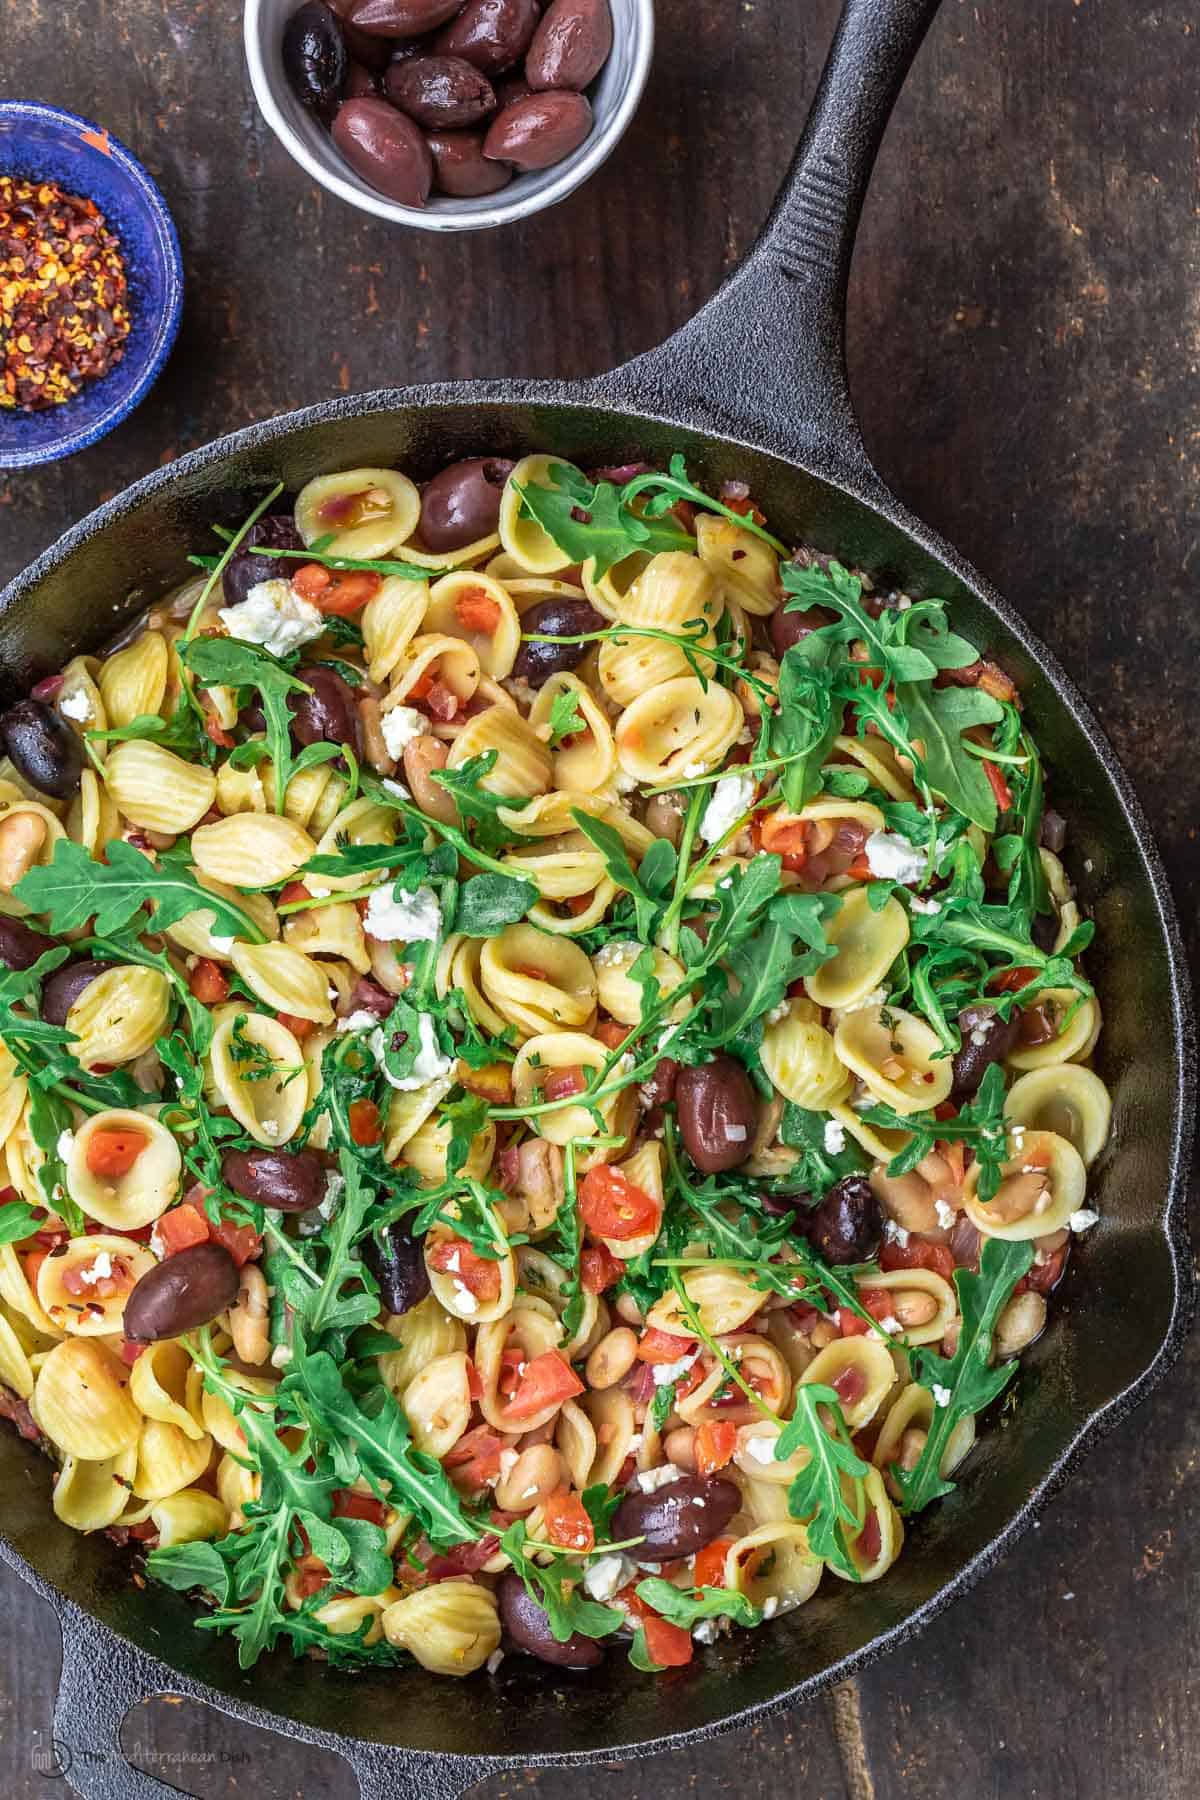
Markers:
point(462, 504)
point(314, 57)
point(20, 945)
point(243, 571)
point(62, 988)
point(367, 996)
point(787, 628)
point(1053, 831)
point(492, 34)
point(536, 663)
point(460, 167)
point(290, 1180)
point(372, 53)
point(1044, 930)
point(538, 131)
point(1035, 1025)
point(677, 1519)
point(718, 1113)
point(986, 1039)
point(362, 83)
point(44, 748)
point(397, 1261)
point(328, 715)
point(401, 18)
point(529, 1628)
point(440, 92)
point(571, 45)
point(846, 1226)
point(185, 1291)
point(780, 1205)
point(386, 148)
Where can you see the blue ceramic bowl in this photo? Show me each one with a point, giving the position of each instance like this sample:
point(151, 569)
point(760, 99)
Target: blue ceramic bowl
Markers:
point(44, 143)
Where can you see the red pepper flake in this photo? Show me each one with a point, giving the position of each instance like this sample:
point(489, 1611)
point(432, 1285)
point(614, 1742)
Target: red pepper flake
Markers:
point(64, 295)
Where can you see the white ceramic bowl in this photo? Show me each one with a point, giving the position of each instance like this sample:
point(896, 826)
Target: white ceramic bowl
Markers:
point(614, 97)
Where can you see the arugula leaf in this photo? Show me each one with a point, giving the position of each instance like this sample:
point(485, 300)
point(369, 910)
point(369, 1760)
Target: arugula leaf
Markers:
point(182, 732)
point(608, 840)
point(72, 888)
point(478, 810)
point(663, 1404)
point(593, 522)
point(566, 720)
point(967, 1377)
point(817, 1169)
point(683, 1606)
point(980, 1123)
point(191, 1565)
point(807, 720)
point(18, 1220)
point(836, 588)
point(487, 903)
point(49, 1117)
point(563, 1600)
point(827, 1495)
point(229, 662)
point(938, 717)
point(600, 1504)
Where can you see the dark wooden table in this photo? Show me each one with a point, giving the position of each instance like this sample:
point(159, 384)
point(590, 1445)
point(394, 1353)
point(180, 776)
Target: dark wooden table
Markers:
point(1025, 340)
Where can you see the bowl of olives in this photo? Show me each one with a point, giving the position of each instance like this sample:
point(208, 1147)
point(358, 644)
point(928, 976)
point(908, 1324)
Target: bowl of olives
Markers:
point(449, 115)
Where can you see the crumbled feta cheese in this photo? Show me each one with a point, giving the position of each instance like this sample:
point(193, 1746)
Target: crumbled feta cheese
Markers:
point(401, 724)
point(493, 1662)
point(1083, 1219)
point(99, 1270)
point(891, 1325)
point(979, 1035)
point(395, 915)
point(65, 1145)
point(281, 1355)
point(222, 945)
point(317, 892)
point(876, 997)
point(946, 1214)
point(761, 1448)
point(665, 1373)
point(770, 1606)
point(705, 1631)
point(625, 783)
point(892, 858)
point(76, 706)
point(925, 906)
point(650, 1479)
point(736, 1134)
point(894, 1234)
point(779, 1013)
point(362, 1020)
point(467, 1303)
point(835, 1137)
point(692, 769)
point(618, 950)
point(429, 1066)
point(732, 796)
point(606, 1575)
point(270, 1128)
point(275, 617)
point(398, 788)
point(941, 1395)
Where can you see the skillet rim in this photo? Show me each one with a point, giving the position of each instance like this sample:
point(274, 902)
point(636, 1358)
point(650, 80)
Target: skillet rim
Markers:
point(611, 393)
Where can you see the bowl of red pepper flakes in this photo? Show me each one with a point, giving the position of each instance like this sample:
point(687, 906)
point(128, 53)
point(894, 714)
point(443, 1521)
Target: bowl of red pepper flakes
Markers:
point(91, 283)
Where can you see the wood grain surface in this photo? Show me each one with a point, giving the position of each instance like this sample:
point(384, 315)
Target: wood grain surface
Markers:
point(1025, 319)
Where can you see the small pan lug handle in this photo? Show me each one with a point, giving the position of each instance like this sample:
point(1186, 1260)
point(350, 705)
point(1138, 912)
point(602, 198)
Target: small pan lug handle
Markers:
point(765, 359)
point(102, 1677)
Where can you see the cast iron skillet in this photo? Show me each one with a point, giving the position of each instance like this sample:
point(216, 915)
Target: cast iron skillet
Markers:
point(755, 388)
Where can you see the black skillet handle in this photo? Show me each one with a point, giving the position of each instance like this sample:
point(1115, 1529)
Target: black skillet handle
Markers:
point(765, 359)
point(103, 1677)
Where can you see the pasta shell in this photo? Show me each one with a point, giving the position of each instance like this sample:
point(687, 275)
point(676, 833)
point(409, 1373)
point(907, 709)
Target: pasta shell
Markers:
point(133, 682)
point(264, 1094)
point(157, 789)
point(90, 1314)
point(250, 851)
point(450, 1628)
point(867, 944)
point(370, 512)
point(120, 1015)
point(285, 980)
point(129, 1201)
point(1065, 1099)
point(529, 547)
point(677, 730)
point(897, 1055)
point(81, 1401)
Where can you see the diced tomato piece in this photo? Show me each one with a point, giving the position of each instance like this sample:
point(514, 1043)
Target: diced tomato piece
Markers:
point(208, 981)
point(130, 1352)
point(566, 1523)
point(366, 1127)
point(658, 1346)
point(299, 1028)
point(611, 1206)
point(915, 1255)
point(1010, 980)
point(477, 1455)
point(31, 1262)
point(579, 903)
point(180, 1228)
point(716, 1441)
point(113, 1150)
point(493, 1082)
point(476, 610)
point(349, 1504)
point(293, 892)
point(478, 1274)
point(144, 1532)
point(311, 1576)
point(945, 1109)
point(610, 1034)
point(216, 731)
point(242, 1241)
point(599, 1268)
point(560, 1084)
point(869, 1541)
point(709, 1567)
point(668, 1645)
point(1043, 1278)
point(877, 1301)
point(336, 591)
point(999, 787)
point(548, 1380)
point(632, 1601)
point(513, 1364)
point(781, 834)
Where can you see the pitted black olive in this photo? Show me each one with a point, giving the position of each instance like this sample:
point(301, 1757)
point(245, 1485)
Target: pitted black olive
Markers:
point(718, 1113)
point(62, 988)
point(536, 663)
point(846, 1226)
point(314, 57)
point(677, 1519)
point(986, 1039)
point(787, 628)
point(291, 1180)
point(462, 503)
point(397, 1261)
point(44, 748)
point(181, 1293)
point(327, 715)
point(20, 945)
point(529, 1628)
point(277, 531)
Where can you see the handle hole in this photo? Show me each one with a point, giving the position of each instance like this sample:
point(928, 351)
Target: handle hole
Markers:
point(205, 1753)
